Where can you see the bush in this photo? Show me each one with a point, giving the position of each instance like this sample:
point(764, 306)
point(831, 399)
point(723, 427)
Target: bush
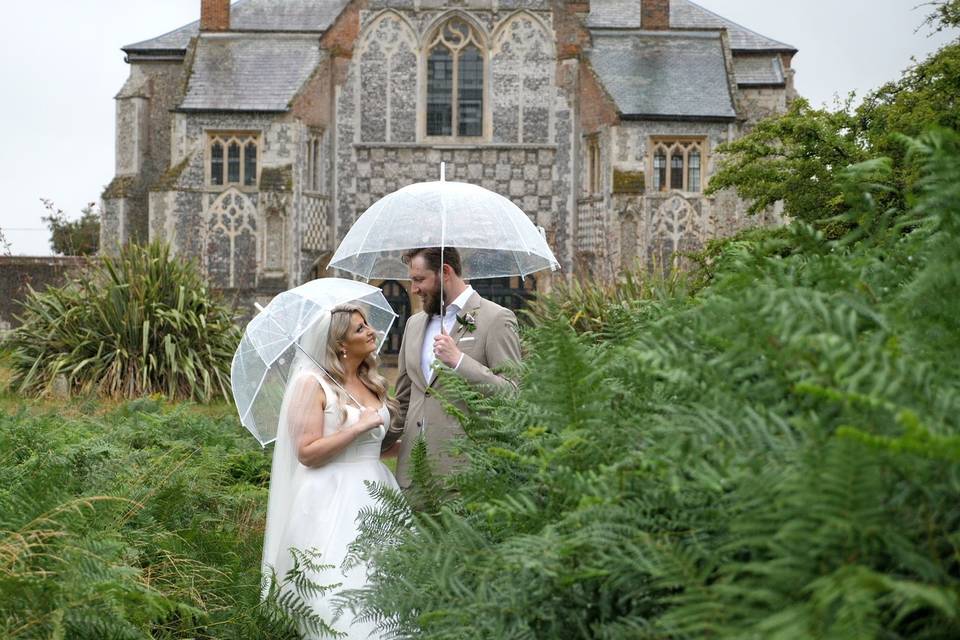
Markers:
point(774, 458)
point(139, 324)
point(134, 524)
point(73, 237)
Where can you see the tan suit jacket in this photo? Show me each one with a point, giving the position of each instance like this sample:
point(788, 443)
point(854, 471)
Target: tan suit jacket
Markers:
point(495, 341)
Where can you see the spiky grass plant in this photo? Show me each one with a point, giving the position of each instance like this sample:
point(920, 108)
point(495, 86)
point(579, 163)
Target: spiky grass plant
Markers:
point(138, 324)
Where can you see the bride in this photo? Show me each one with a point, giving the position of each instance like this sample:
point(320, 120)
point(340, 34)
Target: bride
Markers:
point(328, 444)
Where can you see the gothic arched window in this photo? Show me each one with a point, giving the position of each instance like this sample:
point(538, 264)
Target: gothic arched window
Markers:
point(397, 296)
point(683, 171)
point(233, 159)
point(455, 73)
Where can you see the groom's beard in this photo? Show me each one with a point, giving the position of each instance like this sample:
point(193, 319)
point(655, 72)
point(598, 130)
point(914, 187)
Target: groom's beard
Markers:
point(431, 303)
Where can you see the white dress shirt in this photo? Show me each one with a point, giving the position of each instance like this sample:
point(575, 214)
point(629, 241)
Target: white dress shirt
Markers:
point(433, 329)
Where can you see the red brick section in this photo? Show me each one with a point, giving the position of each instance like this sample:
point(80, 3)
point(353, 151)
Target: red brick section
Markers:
point(313, 103)
point(655, 15)
point(572, 36)
point(214, 15)
point(342, 34)
point(596, 108)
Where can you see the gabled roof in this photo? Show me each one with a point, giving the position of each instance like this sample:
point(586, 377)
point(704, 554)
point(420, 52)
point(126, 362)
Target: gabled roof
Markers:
point(249, 72)
point(664, 74)
point(314, 16)
point(684, 14)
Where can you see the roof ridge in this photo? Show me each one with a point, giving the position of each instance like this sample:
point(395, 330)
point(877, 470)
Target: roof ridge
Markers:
point(736, 24)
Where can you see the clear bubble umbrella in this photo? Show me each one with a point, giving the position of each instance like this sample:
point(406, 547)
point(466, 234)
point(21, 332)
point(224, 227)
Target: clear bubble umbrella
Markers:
point(258, 375)
point(493, 236)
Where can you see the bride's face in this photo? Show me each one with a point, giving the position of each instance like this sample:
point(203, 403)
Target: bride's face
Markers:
point(360, 340)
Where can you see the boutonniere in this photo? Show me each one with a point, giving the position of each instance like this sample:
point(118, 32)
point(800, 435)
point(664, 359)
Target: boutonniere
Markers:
point(468, 322)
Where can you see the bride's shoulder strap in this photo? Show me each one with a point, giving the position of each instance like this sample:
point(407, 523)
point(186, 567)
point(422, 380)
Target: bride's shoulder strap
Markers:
point(328, 390)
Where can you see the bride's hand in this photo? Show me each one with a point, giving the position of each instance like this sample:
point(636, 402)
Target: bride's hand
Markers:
point(369, 419)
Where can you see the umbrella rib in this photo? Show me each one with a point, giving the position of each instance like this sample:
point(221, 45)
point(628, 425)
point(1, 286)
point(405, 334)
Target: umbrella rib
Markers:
point(517, 231)
point(367, 234)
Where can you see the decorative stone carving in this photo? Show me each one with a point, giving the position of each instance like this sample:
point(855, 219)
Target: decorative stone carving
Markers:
point(231, 243)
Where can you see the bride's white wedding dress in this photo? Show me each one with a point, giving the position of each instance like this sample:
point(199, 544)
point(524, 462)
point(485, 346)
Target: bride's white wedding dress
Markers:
point(316, 508)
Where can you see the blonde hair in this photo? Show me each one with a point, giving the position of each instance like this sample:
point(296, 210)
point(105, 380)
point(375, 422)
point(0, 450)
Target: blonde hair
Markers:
point(340, 317)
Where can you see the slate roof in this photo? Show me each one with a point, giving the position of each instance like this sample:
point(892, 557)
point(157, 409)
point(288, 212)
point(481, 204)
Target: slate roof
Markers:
point(253, 15)
point(249, 72)
point(684, 14)
point(664, 73)
point(758, 70)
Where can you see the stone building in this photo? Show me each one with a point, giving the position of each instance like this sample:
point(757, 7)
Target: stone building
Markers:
point(251, 139)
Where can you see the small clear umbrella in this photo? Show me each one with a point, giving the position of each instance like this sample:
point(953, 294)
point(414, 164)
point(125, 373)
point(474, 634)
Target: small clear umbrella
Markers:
point(258, 375)
point(493, 236)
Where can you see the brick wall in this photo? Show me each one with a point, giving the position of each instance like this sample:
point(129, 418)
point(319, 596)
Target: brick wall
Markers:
point(215, 15)
point(18, 273)
point(655, 14)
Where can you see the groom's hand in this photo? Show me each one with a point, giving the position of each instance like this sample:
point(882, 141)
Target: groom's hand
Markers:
point(446, 351)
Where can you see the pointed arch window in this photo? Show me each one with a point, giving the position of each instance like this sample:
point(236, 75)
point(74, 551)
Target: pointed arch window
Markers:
point(455, 82)
point(677, 165)
point(216, 163)
point(234, 159)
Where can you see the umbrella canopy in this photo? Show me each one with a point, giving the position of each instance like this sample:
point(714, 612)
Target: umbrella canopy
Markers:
point(493, 236)
point(258, 375)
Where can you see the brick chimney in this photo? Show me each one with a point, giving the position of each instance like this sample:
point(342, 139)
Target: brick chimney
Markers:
point(655, 15)
point(214, 15)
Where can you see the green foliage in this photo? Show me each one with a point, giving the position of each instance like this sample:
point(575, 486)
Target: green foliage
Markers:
point(946, 14)
point(138, 324)
point(816, 160)
point(792, 158)
point(73, 237)
point(599, 308)
point(775, 457)
point(133, 524)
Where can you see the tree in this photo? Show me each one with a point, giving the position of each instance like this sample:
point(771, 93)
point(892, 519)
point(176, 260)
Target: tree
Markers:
point(4, 244)
point(792, 158)
point(817, 161)
point(946, 14)
point(73, 237)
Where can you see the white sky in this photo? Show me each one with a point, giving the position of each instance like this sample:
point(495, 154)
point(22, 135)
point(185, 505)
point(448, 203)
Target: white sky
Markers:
point(61, 68)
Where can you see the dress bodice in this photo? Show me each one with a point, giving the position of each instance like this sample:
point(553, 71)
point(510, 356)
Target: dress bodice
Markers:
point(367, 446)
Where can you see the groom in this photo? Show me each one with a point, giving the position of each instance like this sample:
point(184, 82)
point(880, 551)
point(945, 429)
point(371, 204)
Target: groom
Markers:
point(476, 336)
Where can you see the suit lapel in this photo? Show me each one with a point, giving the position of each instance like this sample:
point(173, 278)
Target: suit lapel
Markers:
point(469, 309)
point(416, 347)
point(460, 330)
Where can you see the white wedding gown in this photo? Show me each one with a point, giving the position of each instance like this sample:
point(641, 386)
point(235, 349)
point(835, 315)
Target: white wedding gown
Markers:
point(319, 506)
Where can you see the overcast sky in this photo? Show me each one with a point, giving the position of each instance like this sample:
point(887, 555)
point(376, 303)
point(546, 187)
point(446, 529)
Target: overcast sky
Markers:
point(61, 68)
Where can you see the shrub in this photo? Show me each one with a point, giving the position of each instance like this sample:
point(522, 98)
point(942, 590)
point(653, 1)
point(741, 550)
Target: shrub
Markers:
point(134, 524)
point(138, 324)
point(73, 237)
point(774, 458)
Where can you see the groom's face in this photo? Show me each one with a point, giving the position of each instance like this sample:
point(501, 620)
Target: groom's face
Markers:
point(426, 284)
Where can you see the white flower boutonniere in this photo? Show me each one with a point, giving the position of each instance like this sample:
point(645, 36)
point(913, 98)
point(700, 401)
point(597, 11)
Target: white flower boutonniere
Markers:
point(468, 322)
